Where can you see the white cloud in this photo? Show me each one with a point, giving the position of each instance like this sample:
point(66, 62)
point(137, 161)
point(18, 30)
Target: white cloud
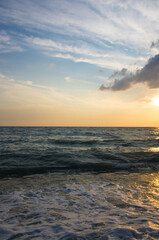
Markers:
point(4, 37)
point(2, 76)
point(90, 31)
point(110, 20)
point(29, 82)
point(114, 61)
point(68, 79)
point(81, 47)
point(8, 44)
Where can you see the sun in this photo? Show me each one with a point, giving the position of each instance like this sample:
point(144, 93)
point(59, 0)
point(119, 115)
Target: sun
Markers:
point(156, 101)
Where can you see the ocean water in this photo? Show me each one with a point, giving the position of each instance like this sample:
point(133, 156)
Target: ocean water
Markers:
point(79, 183)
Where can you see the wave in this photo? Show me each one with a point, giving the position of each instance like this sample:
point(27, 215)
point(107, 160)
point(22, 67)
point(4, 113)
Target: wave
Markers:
point(36, 150)
point(72, 142)
point(24, 164)
point(93, 168)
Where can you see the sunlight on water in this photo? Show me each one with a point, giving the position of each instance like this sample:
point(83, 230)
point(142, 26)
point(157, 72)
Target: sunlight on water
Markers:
point(155, 131)
point(153, 193)
point(154, 149)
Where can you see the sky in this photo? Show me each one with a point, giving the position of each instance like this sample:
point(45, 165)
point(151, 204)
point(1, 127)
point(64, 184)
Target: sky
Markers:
point(79, 63)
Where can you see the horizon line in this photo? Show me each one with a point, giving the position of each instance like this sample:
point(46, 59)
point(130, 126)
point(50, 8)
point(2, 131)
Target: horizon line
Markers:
point(81, 126)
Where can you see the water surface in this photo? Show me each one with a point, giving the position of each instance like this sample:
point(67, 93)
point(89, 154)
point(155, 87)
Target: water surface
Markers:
point(79, 183)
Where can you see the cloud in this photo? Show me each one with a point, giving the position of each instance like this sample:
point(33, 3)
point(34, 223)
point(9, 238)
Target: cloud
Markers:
point(80, 48)
point(29, 82)
point(26, 93)
point(148, 75)
point(121, 73)
point(8, 43)
point(4, 38)
point(114, 61)
point(68, 79)
point(90, 31)
point(155, 44)
point(110, 20)
point(2, 76)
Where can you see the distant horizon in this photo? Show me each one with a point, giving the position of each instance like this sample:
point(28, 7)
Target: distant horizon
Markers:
point(83, 126)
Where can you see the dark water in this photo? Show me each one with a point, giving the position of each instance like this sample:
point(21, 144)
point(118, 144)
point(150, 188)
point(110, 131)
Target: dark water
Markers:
point(38, 150)
point(79, 183)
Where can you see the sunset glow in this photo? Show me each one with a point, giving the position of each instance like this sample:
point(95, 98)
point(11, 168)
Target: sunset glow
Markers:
point(156, 101)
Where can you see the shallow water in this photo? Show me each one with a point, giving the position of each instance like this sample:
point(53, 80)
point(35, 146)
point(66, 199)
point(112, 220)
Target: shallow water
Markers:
point(80, 206)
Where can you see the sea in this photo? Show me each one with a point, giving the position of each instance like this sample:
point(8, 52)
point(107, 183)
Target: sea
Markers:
point(71, 183)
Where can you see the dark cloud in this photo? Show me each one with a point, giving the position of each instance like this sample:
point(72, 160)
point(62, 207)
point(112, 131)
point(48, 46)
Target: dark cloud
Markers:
point(121, 73)
point(155, 44)
point(148, 75)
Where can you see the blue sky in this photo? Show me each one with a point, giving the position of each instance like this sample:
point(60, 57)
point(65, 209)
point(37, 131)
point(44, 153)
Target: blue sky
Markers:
point(63, 51)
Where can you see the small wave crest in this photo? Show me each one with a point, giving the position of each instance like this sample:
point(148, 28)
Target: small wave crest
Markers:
point(70, 142)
